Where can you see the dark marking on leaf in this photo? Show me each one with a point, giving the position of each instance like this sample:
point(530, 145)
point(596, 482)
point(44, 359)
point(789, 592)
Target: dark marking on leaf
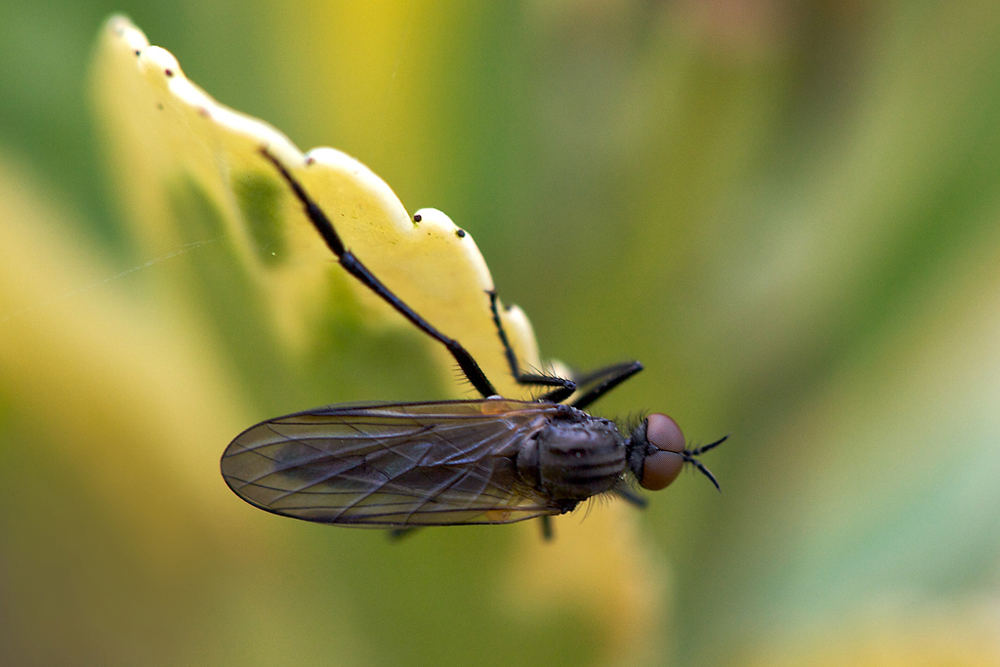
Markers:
point(259, 198)
point(217, 281)
point(196, 213)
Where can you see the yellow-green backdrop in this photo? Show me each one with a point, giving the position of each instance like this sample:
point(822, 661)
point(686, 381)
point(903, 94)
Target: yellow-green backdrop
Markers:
point(789, 211)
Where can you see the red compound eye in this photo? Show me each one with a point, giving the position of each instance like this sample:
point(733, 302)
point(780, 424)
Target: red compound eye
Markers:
point(663, 466)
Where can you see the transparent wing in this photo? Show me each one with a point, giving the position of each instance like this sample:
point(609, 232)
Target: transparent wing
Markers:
point(398, 464)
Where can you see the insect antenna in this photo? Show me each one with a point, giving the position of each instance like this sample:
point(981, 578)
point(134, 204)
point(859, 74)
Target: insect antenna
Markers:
point(712, 445)
point(689, 456)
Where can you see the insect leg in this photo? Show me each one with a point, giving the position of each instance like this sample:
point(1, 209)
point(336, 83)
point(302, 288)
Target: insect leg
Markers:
point(627, 495)
point(353, 265)
point(564, 387)
point(612, 377)
point(400, 533)
point(546, 526)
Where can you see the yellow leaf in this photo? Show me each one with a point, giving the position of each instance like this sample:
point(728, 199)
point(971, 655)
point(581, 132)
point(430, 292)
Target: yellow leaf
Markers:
point(177, 151)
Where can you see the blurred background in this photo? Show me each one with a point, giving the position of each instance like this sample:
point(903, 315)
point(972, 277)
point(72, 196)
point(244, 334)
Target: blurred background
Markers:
point(789, 211)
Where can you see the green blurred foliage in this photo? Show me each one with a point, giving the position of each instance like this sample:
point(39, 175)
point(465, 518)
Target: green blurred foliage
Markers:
point(788, 211)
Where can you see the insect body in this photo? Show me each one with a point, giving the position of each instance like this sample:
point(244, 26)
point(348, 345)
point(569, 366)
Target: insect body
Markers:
point(490, 460)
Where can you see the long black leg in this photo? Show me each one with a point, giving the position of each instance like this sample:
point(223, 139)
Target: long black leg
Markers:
point(614, 376)
point(354, 266)
point(564, 387)
point(590, 377)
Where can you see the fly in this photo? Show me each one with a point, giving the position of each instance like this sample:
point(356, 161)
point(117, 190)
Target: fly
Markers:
point(490, 460)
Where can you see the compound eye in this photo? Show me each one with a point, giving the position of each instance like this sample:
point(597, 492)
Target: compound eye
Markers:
point(662, 467)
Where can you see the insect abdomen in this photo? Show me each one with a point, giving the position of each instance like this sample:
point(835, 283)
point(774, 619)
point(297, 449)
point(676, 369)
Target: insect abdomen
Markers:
point(568, 460)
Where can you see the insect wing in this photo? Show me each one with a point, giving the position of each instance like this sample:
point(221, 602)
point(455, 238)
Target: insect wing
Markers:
point(411, 464)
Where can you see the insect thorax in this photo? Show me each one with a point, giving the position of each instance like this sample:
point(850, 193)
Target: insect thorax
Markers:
point(573, 459)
